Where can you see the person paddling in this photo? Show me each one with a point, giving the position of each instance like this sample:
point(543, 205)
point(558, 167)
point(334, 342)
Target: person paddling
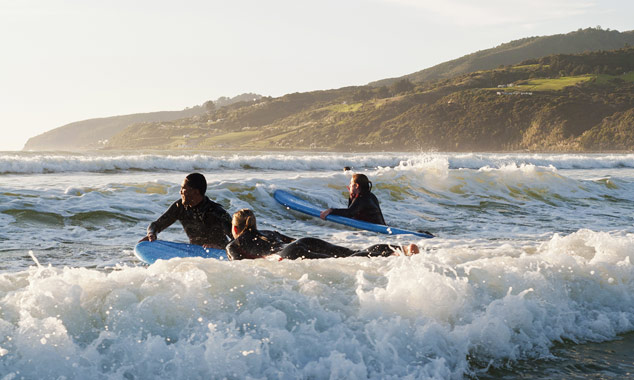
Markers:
point(362, 204)
point(251, 243)
point(205, 222)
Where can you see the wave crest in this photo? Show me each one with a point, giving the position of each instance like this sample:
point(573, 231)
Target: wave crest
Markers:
point(37, 163)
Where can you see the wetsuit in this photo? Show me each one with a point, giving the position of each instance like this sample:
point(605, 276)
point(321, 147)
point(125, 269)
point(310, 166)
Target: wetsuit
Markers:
point(312, 248)
point(254, 244)
point(364, 207)
point(205, 223)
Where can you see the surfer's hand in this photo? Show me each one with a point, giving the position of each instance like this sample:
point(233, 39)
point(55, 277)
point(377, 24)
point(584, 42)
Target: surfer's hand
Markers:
point(144, 239)
point(151, 237)
point(325, 213)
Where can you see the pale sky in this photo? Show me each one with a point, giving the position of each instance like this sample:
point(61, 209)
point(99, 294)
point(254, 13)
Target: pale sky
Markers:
point(68, 60)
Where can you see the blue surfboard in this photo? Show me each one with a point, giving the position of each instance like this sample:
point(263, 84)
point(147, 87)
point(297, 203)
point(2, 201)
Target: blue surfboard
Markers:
point(150, 251)
point(294, 203)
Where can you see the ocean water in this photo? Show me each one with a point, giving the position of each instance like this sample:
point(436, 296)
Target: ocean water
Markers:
point(530, 275)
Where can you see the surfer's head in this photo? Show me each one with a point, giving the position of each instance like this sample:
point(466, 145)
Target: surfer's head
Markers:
point(193, 189)
point(359, 184)
point(242, 220)
point(197, 181)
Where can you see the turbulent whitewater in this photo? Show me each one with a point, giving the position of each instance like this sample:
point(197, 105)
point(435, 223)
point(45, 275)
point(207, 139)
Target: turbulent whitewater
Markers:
point(532, 260)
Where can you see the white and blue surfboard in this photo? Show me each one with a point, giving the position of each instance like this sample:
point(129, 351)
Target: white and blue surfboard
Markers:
point(150, 251)
point(294, 203)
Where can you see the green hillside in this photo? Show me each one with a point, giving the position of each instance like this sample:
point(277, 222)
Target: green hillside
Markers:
point(504, 98)
point(555, 103)
point(514, 52)
point(95, 133)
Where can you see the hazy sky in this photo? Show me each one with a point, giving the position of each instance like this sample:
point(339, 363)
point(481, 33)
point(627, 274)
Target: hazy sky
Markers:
point(69, 60)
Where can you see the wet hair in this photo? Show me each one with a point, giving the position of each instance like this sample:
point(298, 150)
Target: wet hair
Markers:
point(244, 219)
point(197, 181)
point(365, 185)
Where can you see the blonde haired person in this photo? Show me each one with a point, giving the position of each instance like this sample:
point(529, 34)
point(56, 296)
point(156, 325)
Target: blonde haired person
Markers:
point(251, 243)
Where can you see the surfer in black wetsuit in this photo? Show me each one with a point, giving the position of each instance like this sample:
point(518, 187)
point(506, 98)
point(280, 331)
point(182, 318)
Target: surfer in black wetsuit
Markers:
point(205, 222)
point(362, 204)
point(250, 243)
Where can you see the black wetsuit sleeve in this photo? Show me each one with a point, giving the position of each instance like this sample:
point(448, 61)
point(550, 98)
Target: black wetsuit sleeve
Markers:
point(365, 208)
point(349, 212)
point(167, 219)
point(236, 252)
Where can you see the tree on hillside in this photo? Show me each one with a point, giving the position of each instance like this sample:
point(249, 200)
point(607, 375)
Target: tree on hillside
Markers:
point(362, 95)
point(382, 92)
point(210, 106)
point(403, 85)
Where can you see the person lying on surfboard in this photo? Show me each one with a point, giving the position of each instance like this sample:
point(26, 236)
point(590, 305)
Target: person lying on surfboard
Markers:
point(205, 222)
point(251, 243)
point(362, 204)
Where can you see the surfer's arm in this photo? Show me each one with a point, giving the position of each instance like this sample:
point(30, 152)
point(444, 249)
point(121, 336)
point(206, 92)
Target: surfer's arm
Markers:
point(236, 252)
point(349, 212)
point(362, 208)
point(164, 221)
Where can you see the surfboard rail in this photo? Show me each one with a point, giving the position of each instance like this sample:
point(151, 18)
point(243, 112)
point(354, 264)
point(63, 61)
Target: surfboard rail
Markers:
point(292, 202)
point(151, 251)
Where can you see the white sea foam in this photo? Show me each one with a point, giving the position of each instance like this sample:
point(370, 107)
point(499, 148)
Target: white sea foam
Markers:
point(54, 163)
point(419, 317)
point(30, 162)
point(559, 161)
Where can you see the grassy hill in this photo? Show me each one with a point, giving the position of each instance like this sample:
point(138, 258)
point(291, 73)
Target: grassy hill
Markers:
point(504, 98)
point(95, 133)
point(514, 52)
point(556, 103)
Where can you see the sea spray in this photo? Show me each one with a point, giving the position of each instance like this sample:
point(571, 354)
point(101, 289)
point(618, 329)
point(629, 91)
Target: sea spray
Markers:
point(34, 259)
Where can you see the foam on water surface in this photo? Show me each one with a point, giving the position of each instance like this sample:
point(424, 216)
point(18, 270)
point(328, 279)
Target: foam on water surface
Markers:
point(434, 315)
point(38, 162)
